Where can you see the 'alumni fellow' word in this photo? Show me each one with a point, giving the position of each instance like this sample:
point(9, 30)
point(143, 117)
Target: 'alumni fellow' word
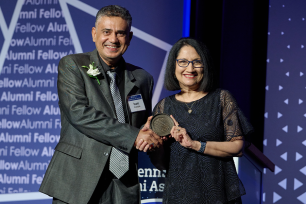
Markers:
point(5, 179)
point(29, 69)
point(39, 96)
point(41, 55)
point(33, 28)
point(31, 41)
point(51, 13)
point(26, 82)
point(27, 138)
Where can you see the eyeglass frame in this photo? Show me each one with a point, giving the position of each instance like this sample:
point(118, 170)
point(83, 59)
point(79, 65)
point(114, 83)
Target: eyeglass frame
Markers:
point(189, 63)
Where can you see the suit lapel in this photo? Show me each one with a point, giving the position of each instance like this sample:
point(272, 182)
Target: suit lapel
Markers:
point(104, 86)
point(129, 86)
point(129, 81)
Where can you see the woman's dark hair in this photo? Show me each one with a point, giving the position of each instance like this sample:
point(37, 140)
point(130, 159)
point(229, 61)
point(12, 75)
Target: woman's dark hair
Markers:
point(171, 83)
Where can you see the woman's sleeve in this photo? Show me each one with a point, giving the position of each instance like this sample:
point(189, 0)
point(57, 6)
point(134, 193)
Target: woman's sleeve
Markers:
point(236, 125)
point(159, 107)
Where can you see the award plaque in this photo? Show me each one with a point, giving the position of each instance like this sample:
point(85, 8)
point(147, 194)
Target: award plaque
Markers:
point(161, 124)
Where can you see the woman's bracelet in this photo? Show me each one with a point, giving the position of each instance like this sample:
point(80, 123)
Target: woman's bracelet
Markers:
point(203, 145)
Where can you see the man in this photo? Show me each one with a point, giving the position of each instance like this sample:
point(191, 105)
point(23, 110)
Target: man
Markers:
point(99, 118)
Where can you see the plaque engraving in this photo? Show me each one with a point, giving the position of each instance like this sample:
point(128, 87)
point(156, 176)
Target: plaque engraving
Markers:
point(162, 124)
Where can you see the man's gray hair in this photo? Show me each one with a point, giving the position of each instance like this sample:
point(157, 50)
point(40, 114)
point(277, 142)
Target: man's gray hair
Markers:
point(115, 10)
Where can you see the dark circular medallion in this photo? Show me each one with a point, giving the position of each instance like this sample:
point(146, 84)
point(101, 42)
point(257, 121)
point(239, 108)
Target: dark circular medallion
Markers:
point(161, 124)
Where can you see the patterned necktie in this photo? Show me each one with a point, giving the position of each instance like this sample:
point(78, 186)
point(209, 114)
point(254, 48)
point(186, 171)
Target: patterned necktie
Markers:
point(119, 161)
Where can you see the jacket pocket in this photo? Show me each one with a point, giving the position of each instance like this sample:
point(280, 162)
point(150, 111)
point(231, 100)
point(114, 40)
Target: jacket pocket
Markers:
point(69, 149)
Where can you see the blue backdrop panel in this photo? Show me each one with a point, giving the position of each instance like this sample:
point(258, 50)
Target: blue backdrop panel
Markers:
point(285, 114)
point(34, 35)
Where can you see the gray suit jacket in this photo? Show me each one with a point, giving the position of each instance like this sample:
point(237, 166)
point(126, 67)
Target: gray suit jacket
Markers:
point(90, 128)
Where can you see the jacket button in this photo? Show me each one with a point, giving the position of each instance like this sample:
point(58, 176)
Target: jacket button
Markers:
point(105, 154)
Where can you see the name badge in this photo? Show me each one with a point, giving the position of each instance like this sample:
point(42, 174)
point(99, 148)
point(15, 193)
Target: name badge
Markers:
point(136, 103)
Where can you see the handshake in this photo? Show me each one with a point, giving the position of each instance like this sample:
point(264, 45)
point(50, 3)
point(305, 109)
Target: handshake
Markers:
point(147, 139)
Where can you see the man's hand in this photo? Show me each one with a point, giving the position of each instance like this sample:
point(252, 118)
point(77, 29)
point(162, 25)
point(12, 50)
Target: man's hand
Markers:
point(147, 138)
point(141, 144)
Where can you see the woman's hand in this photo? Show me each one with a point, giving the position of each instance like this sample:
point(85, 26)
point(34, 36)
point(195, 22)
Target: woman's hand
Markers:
point(180, 135)
point(142, 145)
point(147, 125)
point(213, 148)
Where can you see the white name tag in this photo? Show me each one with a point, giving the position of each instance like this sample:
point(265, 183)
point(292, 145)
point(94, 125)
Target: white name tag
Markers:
point(136, 103)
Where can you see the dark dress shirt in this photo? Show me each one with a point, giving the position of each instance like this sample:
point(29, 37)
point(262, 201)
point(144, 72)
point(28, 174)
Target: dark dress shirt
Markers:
point(119, 69)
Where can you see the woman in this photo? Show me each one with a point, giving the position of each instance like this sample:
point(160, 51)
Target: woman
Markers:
point(209, 131)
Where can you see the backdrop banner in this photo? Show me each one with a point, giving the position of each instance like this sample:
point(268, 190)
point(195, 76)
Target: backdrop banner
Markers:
point(285, 114)
point(35, 35)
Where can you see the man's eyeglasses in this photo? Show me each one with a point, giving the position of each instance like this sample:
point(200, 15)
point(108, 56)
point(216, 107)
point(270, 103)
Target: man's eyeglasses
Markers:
point(185, 63)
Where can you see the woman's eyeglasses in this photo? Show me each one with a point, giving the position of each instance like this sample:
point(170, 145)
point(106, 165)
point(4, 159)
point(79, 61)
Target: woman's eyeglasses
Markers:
point(185, 63)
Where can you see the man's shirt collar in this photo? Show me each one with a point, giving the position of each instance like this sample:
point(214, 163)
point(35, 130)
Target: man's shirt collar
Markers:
point(119, 69)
